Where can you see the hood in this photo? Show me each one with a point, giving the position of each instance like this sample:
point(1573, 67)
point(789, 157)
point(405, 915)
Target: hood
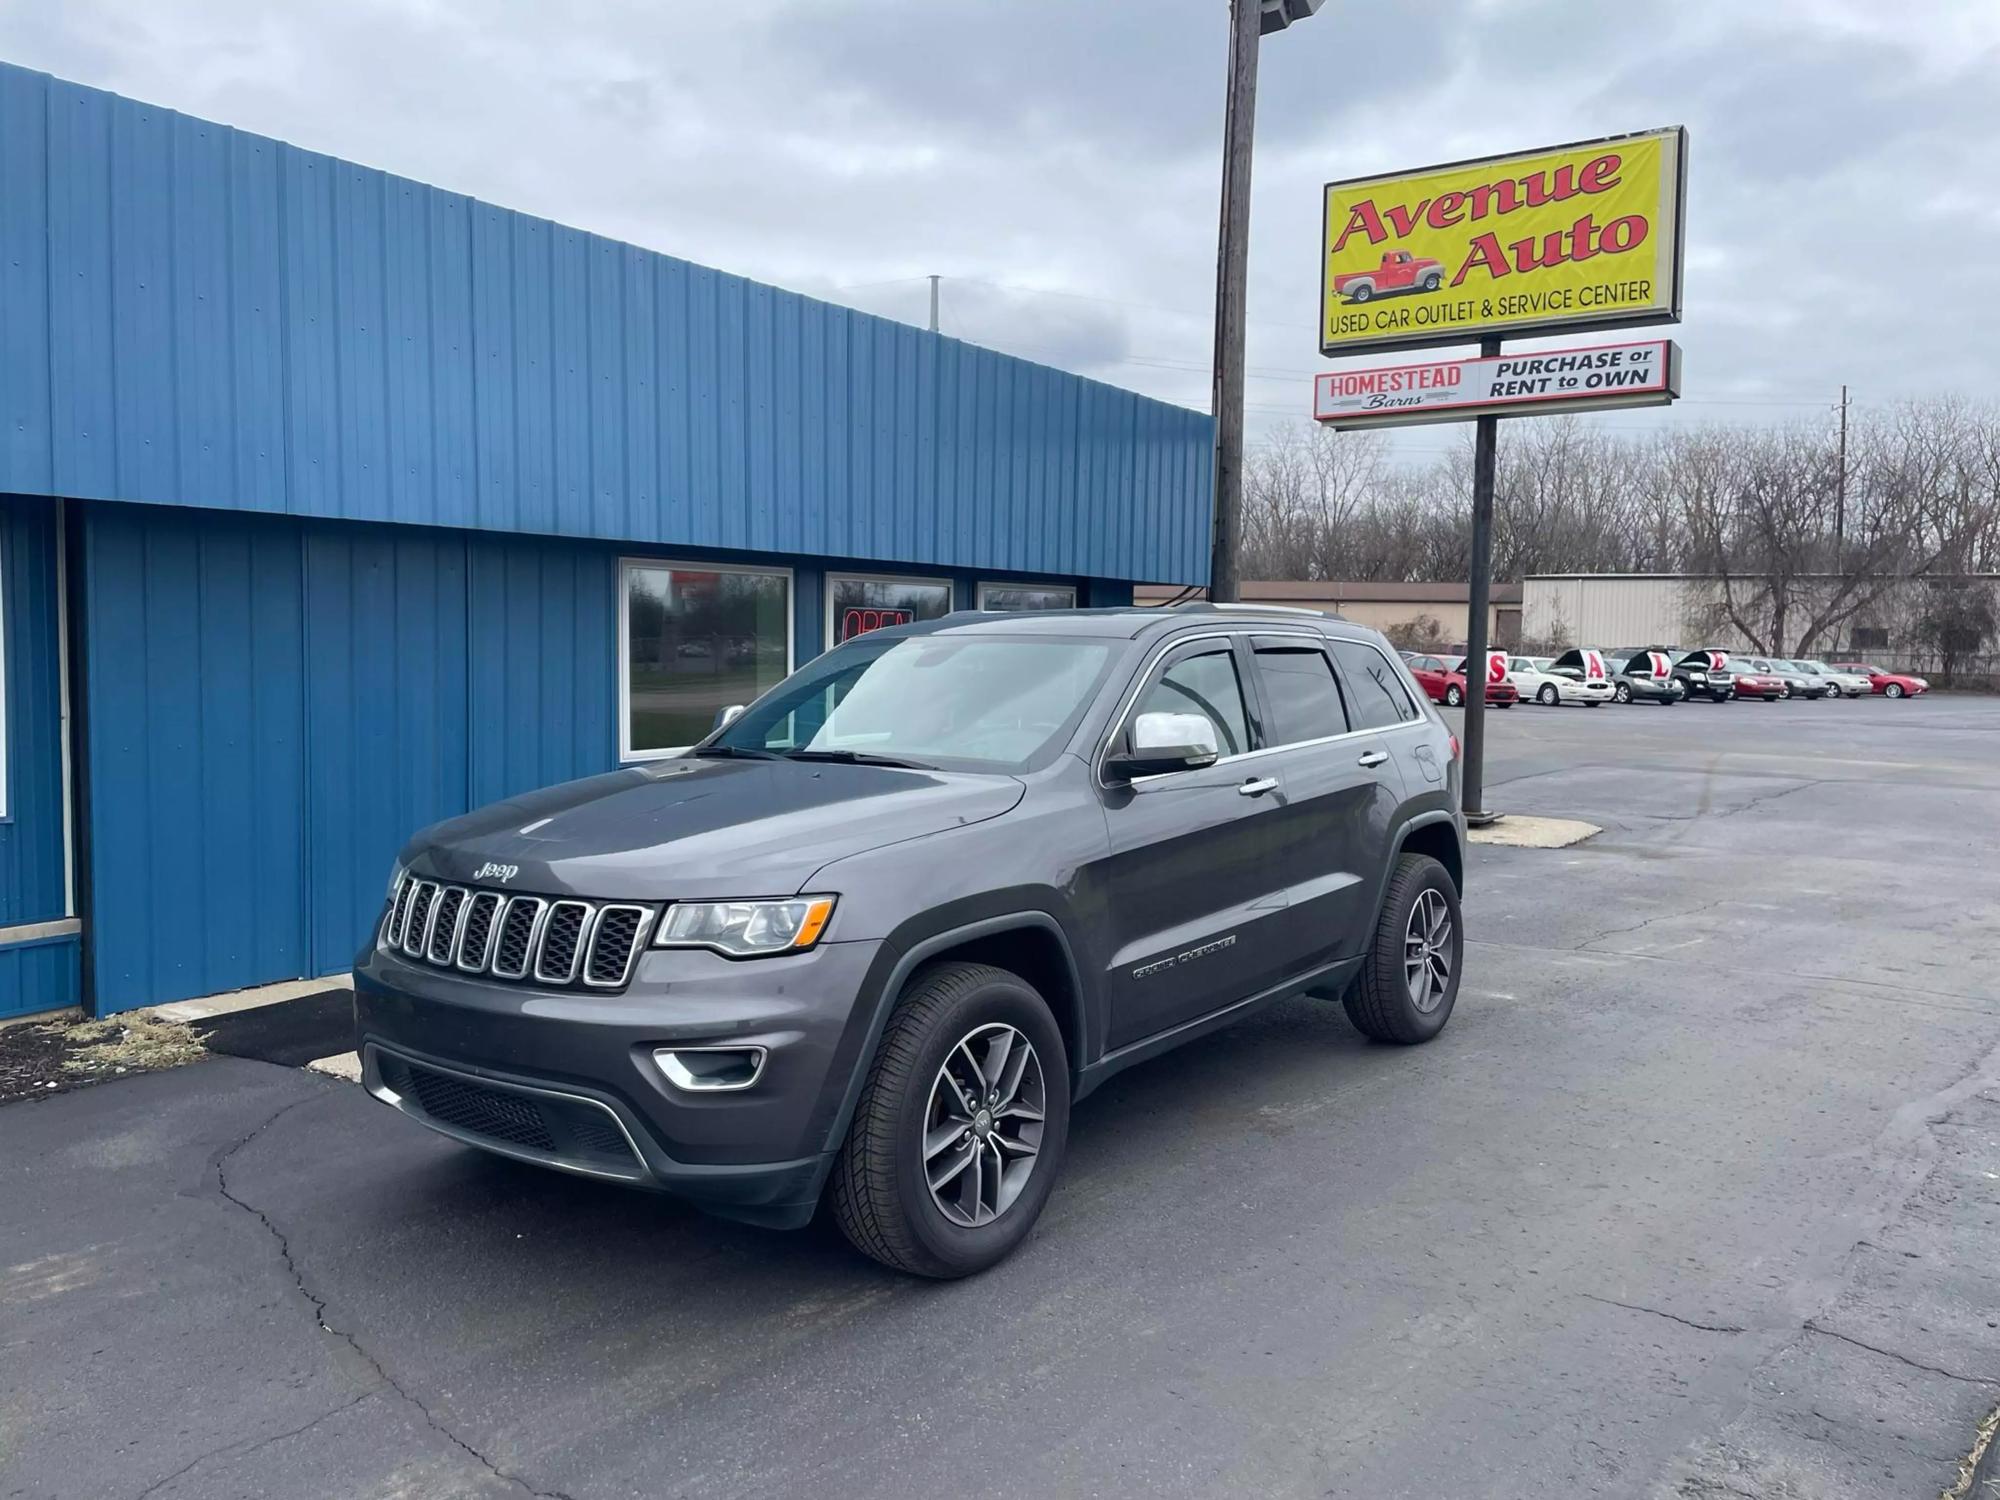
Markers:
point(688, 828)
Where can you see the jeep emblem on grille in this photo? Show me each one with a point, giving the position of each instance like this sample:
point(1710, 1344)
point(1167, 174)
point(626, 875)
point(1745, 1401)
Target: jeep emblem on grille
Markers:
point(491, 871)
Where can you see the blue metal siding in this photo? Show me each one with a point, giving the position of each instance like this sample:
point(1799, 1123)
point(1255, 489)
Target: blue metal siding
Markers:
point(41, 975)
point(197, 732)
point(31, 832)
point(191, 315)
point(276, 706)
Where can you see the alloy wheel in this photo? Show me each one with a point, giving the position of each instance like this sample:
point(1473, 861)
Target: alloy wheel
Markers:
point(1427, 951)
point(983, 1125)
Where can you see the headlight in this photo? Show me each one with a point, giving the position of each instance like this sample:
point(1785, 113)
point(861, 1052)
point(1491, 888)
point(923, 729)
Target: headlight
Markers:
point(395, 878)
point(746, 929)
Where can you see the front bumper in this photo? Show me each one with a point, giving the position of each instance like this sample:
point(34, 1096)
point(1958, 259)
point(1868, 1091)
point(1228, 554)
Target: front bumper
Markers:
point(568, 1079)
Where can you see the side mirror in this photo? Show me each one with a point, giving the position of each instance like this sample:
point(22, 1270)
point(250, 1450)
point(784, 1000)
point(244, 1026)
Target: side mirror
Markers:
point(724, 717)
point(1163, 742)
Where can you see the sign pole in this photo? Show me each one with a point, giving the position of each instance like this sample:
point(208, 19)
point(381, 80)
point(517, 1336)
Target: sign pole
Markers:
point(1485, 451)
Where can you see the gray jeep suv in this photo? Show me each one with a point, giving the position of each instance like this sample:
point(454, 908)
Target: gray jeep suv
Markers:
point(883, 927)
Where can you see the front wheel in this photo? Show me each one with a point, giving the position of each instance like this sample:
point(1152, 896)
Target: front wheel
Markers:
point(1787, 692)
point(1409, 981)
point(1546, 697)
point(1624, 693)
point(1893, 690)
point(1453, 697)
point(960, 1130)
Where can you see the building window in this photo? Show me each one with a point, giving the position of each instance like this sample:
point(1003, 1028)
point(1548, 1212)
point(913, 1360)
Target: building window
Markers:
point(1019, 596)
point(856, 605)
point(1870, 638)
point(694, 639)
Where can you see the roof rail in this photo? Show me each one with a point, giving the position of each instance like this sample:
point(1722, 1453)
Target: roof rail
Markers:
point(1282, 609)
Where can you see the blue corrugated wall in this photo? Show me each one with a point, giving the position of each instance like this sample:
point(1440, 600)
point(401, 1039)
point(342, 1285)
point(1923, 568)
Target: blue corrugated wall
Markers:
point(39, 975)
point(192, 315)
point(277, 706)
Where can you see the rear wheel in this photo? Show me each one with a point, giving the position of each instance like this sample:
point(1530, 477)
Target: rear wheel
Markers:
point(1362, 292)
point(1432, 281)
point(1409, 981)
point(961, 1126)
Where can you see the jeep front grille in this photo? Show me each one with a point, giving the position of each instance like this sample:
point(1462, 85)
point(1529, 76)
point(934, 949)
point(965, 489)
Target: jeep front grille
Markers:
point(560, 943)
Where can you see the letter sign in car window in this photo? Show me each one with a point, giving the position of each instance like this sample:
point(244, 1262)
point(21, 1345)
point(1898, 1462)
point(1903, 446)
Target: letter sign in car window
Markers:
point(1376, 698)
point(1300, 694)
point(1593, 667)
point(1659, 663)
point(1205, 684)
point(1496, 666)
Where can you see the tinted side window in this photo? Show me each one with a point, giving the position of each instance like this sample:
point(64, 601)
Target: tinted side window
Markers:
point(1205, 684)
point(1300, 694)
point(1375, 696)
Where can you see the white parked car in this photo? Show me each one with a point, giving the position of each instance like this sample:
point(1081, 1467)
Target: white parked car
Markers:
point(1539, 680)
point(1845, 684)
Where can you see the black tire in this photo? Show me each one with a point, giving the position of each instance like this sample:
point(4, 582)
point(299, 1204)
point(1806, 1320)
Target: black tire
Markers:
point(1548, 697)
point(1362, 293)
point(1432, 281)
point(880, 1197)
point(1893, 690)
point(1623, 693)
point(1453, 698)
point(1593, 703)
point(1670, 700)
point(1379, 1002)
point(1787, 692)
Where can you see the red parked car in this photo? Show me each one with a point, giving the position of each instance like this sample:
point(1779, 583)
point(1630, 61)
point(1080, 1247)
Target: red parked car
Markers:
point(1443, 681)
point(1888, 684)
point(1754, 684)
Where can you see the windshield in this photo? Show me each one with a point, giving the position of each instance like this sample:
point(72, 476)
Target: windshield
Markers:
point(952, 703)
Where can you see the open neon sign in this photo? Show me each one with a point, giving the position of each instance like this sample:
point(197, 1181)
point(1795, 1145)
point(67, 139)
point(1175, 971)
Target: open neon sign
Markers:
point(860, 621)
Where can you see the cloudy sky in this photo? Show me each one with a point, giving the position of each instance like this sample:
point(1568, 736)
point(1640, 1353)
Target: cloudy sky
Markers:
point(1056, 161)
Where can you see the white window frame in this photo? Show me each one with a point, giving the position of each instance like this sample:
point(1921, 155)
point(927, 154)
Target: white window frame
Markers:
point(1026, 583)
point(827, 583)
point(626, 565)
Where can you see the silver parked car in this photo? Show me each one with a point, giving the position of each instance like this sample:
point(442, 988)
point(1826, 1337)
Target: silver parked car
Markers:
point(1840, 684)
point(1798, 683)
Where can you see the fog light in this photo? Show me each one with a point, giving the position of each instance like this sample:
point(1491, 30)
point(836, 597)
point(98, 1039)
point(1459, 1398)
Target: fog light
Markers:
point(710, 1070)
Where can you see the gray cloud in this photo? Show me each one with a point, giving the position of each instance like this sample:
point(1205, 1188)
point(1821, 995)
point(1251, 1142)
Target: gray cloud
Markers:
point(1057, 161)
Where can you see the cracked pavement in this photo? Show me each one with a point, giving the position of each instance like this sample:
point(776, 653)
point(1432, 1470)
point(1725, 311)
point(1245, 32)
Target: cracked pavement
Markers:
point(1696, 1197)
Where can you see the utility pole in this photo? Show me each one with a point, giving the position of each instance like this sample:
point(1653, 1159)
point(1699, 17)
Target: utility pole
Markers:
point(1232, 265)
point(1840, 492)
point(1249, 20)
point(934, 304)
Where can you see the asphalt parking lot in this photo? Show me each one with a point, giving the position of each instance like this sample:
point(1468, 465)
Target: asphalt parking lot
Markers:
point(1696, 1197)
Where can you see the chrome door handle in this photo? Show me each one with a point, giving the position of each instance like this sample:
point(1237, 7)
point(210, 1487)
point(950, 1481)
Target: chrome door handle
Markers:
point(1258, 786)
point(1374, 758)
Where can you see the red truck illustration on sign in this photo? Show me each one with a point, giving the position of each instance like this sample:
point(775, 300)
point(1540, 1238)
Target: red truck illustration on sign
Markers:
point(1400, 271)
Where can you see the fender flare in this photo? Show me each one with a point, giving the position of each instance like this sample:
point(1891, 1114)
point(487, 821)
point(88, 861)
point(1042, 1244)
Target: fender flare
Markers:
point(1407, 827)
point(907, 963)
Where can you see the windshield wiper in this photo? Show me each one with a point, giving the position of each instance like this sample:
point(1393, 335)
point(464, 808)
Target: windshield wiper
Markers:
point(735, 752)
point(858, 758)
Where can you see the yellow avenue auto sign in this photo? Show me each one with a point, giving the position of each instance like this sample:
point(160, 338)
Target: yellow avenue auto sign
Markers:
point(1580, 236)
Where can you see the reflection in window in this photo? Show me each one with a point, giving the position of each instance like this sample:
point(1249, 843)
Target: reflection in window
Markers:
point(859, 605)
point(696, 641)
point(1012, 597)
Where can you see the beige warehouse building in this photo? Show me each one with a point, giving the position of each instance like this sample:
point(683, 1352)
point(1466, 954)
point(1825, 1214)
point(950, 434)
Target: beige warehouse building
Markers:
point(1391, 608)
